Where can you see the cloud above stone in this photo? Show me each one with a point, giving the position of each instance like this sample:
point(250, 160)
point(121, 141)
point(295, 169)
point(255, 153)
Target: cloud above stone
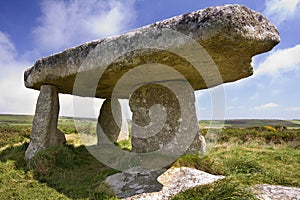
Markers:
point(266, 106)
point(7, 49)
point(280, 10)
point(283, 60)
point(68, 23)
point(62, 24)
point(14, 97)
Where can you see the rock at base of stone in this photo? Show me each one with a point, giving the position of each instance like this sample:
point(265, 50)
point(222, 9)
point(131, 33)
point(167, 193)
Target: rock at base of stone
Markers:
point(276, 192)
point(135, 181)
point(44, 129)
point(174, 180)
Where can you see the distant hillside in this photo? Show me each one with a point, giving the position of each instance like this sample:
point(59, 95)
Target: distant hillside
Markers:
point(245, 123)
point(234, 123)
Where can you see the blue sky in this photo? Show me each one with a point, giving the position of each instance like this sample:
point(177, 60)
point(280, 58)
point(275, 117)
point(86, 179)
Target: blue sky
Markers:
point(35, 28)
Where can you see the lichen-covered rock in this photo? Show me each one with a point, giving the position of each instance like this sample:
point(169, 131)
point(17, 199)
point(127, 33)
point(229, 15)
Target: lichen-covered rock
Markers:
point(155, 117)
point(230, 35)
point(109, 121)
point(44, 130)
point(135, 181)
point(164, 119)
point(171, 182)
point(276, 192)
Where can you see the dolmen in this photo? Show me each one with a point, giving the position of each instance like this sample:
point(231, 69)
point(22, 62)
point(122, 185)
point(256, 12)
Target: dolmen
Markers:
point(157, 68)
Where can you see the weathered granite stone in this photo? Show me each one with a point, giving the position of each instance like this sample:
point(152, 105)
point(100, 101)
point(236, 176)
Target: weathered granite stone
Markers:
point(276, 192)
point(230, 34)
point(135, 181)
point(155, 117)
point(109, 121)
point(174, 180)
point(159, 119)
point(44, 130)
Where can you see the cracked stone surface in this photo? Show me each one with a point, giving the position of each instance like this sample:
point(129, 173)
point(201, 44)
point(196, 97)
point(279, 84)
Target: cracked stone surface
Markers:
point(173, 181)
point(164, 119)
point(276, 192)
point(135, 181)
point(44, 130)
point(109, 121)
point(230, 35)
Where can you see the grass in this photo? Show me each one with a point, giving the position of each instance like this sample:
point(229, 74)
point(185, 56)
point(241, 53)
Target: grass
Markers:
point(228, 188)
point(245, 156)
point(56, 173)
point(65, 172)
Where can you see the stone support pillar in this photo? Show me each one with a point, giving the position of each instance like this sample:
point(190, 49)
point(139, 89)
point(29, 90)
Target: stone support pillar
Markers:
point(109, 121)
point(44, 130)
point(158, 116)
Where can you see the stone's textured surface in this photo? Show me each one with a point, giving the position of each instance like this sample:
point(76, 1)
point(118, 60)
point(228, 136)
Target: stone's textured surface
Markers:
point(135, 181)
point(174, 181)
point(164, 119)
point(44, 130)
point(109, 121)
point(230, 34)
point(276, 192)
point(153, 128)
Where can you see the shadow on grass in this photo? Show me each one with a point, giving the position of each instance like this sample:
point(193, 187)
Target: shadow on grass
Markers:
point(71, 171)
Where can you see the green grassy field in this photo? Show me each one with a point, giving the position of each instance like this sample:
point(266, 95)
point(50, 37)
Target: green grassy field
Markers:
point(245, 156)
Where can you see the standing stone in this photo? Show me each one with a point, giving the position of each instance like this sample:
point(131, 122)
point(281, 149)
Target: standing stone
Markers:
point(109, 121)
point(157, 117)
point(44, 130)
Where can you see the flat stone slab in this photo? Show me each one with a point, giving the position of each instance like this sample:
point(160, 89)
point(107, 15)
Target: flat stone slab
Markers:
point(228, 35)
point(135, 181)
point(174, 180)
point(276, 192)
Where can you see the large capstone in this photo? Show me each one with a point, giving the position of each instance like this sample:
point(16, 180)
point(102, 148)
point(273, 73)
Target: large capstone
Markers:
point(44, 130)
point(229, 36)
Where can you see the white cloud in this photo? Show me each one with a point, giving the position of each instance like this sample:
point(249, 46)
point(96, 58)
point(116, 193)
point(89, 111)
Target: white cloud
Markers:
point(62, 24)
point(293, 109)
point(283, 60)
point(7, 49)
point(266, 106)
point(281, 10)
point(67, 23)
point(15, 98)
